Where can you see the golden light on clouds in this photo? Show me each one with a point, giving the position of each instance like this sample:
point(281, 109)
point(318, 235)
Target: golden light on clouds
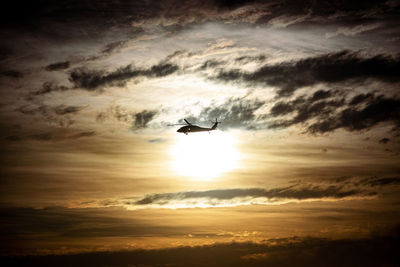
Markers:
point(204, 156)
point(303, 168)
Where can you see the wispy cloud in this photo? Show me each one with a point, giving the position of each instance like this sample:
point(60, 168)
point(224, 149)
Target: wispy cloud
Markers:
point(354, 188)
point(330, 68)
point(90, 80)
point(58, 66)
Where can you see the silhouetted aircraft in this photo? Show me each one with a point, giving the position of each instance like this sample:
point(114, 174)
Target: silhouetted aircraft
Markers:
point(190, 128)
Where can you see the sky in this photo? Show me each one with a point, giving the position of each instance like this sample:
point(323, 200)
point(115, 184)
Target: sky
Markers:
point(303, 167)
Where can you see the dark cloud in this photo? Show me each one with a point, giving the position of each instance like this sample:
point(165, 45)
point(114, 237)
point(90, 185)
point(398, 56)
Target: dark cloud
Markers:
point(212, 63)
point(48, 110)
point(143, 118)
point(348, 187)
point(329, 68)
point(234, 113)
point(381, 181)
point(380, 250)
point(112, 47)
point(157, 140)
point(384, 140)
point(62, 109)
point(247, 59)
point(42, 136)
point(58, 136)
point(137, 120)
point(92, 79)
point(83, 134)
point(59, 12)
point(48, 87)
point(302, 193)
point(57, 66)
point(12, 74)
point(326, 111)
point(379, 109)
point(360, 98)
point(304, 108)
point(13, 138)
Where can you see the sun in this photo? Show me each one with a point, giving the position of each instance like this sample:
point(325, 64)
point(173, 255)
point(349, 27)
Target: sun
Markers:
point(204, 155)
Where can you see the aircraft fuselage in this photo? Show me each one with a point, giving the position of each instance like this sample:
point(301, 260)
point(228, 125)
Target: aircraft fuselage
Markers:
point(193, 129)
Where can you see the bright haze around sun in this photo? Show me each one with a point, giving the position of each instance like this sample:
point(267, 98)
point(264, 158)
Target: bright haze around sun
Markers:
point(304, 162)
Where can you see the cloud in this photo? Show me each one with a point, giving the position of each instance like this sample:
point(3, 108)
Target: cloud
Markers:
point(112, 47)
point(384, 140)
point(58, 66)
point(143, 118)
point(326, 111)
point(57, 135)
point(351, 31)
point(247, 59)
point(233, 113)
point(377, 110)
point(235, 197)
point(381, 181)
point(157, 140)
point(48, 87)
point(83, 134)
point(42, 136)
point(170, 13)
point(62, 109)
point(137, 120)
point(91, 80)
point(12, 74)
point(290, 251)
point(211, 63)
point(330, 190)
point(48, 110)
point(337, 67)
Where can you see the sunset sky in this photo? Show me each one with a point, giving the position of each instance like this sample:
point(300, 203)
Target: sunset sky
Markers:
point(304, 165)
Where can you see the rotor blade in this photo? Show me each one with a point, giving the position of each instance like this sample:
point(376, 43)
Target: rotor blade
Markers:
point(187, 121)
point(176, 124)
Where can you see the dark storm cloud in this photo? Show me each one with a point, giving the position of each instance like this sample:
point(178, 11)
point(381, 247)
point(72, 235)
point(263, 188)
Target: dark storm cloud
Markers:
point(57, 66)
point(379, 250)
point(234, 113)
point(93, 79)
point(328, 68)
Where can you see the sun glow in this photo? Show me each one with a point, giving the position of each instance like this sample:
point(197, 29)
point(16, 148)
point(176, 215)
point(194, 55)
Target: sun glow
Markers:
point(203, 155)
